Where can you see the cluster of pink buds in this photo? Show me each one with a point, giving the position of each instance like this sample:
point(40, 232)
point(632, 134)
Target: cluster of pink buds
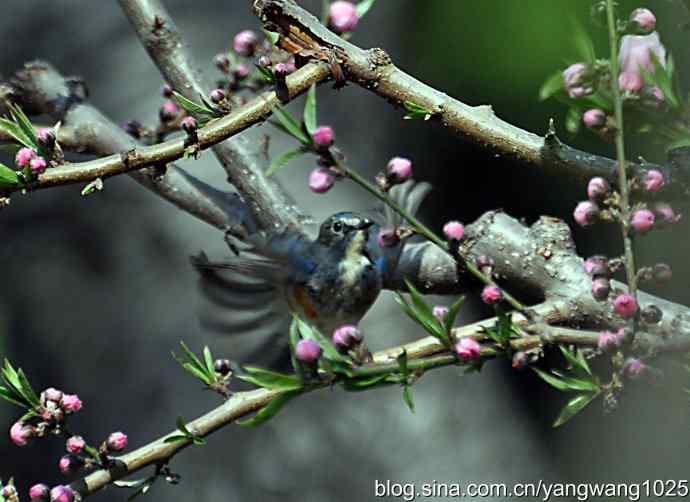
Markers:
point(28, 157)
point(55, 405)
point(43, 493)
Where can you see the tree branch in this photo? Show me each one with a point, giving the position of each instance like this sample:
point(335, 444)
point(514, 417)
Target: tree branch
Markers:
point(374, 70)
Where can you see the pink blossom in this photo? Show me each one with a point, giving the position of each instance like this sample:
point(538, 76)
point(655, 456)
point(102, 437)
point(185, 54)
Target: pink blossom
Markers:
point(245, 42)
point(117, 441)
point(625, 305)
point(594, 118)
point(636, 50)
point(630, 81)
point(633, 367)
point(453, 230)
point(24, 156)
point(217, 95)
point(242, 70)
point(321, 180)
point(597, 188)
point(597, 266)
point(653, 180)
point(576, 80)
point(468, 349)
point(71, 402)
point(440, 312)
point(39, 492)
point(323, 136)
point(61, 493)
point(491, 294)
point(343, 16)
point(601, 287)
point(399, 169)
point(307, 351)
point(585, 213)
point(345, 337)
point(52, 394)
point(666, 213)
point(20, 433)
point(38, 164)
point(643, 19)
point(642, 220)
point(75, 444)
point(65, 464)
point(609, 340)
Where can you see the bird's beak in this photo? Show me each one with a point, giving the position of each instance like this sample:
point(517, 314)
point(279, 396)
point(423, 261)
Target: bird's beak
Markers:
point(364, 223)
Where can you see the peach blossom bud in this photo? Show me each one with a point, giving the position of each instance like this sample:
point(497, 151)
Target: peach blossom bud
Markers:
point(323, 136)
point(71, 403)
point(601, 288)
point(491, 294)
point(665, 213)
point(630, 81)
point(20, 433)
point(597, 188)
point(576, 80)
point(308, 351)
point(245, 43)
point(75, 444)
point(399, 170)
point(597, 265)
point(625, 305)
point(281, 70)
point(585, 213)
point(343, 16)
point(46, 137)
point(9, 493)
point(468, 349)
point(387, 237)
point(189, 124)
point(643, 19)
point(440, 312)
point(69, 464)
point(168, 111)
point(321, 180)
point(657, 94)
point(24, 156)
point(117, 441)
point(61, 493)
point(217, 95)
point(242, 71)
point(51, 394)
point(594, 118)
point(633, 367)
point(642, 220)
point(635, 52)
point(39, 492)
point(653, 180)
point(453, 230)
point(609, 340)
point(38, 165)
point(345, 337)
point(264, 62)
point(167, 91)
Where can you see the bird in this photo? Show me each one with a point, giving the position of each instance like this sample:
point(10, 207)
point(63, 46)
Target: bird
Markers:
point(329, 280)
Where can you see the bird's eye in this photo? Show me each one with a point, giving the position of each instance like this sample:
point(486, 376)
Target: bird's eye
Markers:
point(337, 227)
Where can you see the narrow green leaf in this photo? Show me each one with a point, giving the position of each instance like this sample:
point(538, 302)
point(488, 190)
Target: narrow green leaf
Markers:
point(576, 361)
point(402, 363)
point(9, 396)
point(266, 73)
point(191, 368)
point(8, 177)
point(583, 43)
point(272, 36)
point(175, 438)
point(179, 421)
point(16, 132)
point(551, 86)
point(407, 397)
point(23, 122)
point(208, 359)
point(281, 160)
point(191, 356)
point(28, 391)
point(449, 320)
point(551, 380)
point(290, 125)
point(191, 106)
point(363, 7)
point(573, 407)
point(270, 379)
point(425, 312)
point(431, 327)
point(360, 384)
point(309, 114)
point(270, 410)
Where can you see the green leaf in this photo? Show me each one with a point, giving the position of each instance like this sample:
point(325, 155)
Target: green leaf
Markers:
point(23, 122)
point(196, 372)
point(572, 120)
point(661, 77)
point(574, 406)
point(8, 177)
point(415, 111)
point(281, 160)
point(16, 132)
point(449, 320)
point(270, 410)
point(192, 107)
point(191, 356)
point(175, 438)
point(425, 313)
point(577, 361)
point(26, 389)
point(266, 73)
point(179, 421)
point(551, 380)
point(407, 397)
point(583, 43)
point(309, 114)
point(270, 379)
point(402, 363)
point(290, 125)
point(9, 396)
point(551, 85)
point(363, 7)
point(208, 359)
point(272, 36)
point(359, 384)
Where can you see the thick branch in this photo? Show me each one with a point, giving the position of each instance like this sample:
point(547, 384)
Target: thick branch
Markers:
point(374, 70)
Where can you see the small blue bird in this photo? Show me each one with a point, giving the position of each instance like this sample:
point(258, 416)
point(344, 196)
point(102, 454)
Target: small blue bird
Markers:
point(329, 281)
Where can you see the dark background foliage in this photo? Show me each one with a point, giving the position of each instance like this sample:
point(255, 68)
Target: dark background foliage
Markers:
point(97, 290)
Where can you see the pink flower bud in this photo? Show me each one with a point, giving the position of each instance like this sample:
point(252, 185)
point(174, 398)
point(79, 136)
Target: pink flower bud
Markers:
point(67, 464)
point(71, 403)
point(586, 213)
point(167, 91)
point(625, 305)
point(653, 180)
point(610, 340)
point(635, 52)
point(24, 156)
point(168, 111)
point(217, 95)
point(440, 312)
point(321, 180)
point(643, 19)
point(307, 351)
point(642, 220)
point(657, 94)
point(399, 169)
point(594, 118)
point(520, 360)
point(61, 493)
point(46, 137)
point(20, 433)
point(117, 441)
point(597, 188)
point(281, 69)
point(245, 43)
point(51, 394)
point(189, 124)
point(343, 16)
point(491, 294)
point(665, 213)
point(630, 81)
point(242, 71)
point(345, 337)
point(576, 80)
point(601, 288)
point(468, 349)
point(453, 230)
point(633, 367)
point(75, 444)
point(38, 165)
point(387, 237)
point(323, 136)
point(290, 65)
point(39, 492)
point(597, 266)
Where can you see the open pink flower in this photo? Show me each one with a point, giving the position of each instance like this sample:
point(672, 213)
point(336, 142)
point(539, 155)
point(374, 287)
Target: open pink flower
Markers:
point(468, 349)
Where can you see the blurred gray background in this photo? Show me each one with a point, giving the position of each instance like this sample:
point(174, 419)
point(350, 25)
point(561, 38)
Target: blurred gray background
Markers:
point(98, 290)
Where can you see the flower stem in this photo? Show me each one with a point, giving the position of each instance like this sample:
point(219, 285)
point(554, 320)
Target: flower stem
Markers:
point(629, 260)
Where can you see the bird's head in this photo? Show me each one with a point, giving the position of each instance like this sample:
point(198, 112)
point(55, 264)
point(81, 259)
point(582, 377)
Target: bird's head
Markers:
point(345, 229)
